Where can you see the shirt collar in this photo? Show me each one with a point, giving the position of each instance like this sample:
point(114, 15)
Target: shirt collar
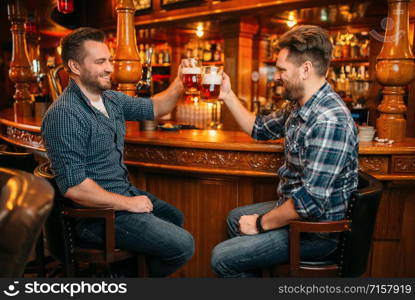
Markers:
point(309, 107)
point(74, 88)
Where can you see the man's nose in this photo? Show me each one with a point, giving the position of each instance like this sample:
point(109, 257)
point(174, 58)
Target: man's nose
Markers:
point(109, 67)
point(277, 76)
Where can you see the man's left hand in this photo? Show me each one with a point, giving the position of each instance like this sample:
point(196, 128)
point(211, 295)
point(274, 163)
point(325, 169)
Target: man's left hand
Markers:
point(247, 224)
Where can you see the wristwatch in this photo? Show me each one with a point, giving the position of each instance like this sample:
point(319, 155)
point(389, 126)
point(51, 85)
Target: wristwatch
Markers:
point(259, 224)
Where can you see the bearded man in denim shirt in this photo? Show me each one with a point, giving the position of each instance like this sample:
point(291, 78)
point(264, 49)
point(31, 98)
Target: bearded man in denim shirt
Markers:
point(320, 169)
point(84, 136)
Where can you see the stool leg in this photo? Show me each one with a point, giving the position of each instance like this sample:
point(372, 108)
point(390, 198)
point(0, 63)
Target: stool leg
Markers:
point(142, 266)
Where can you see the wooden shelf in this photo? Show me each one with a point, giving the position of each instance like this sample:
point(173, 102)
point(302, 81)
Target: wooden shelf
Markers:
point(359, 60)
point(212, 63)
point(160, 65)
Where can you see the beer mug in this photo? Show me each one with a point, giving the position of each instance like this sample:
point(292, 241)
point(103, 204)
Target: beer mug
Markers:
point(211, 81)
point(192, 76)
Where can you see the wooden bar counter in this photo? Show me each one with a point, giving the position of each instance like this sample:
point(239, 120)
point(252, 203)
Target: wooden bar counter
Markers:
point(207, 173)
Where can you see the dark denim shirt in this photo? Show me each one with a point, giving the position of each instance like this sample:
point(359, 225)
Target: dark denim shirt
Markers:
point(321, 154)
point(81, 142)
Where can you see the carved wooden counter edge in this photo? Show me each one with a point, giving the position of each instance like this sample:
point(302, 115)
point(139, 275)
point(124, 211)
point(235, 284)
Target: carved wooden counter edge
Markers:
point(197, 151)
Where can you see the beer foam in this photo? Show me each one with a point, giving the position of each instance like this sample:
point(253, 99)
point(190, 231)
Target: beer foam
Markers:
point(211, 79)
point(191, 70)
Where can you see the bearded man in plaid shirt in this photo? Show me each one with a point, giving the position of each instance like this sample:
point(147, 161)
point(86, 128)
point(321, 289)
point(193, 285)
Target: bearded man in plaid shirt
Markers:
point(320, 169)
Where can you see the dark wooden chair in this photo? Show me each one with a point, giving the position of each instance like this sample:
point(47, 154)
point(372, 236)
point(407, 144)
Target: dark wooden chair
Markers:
point(62, 240)
point(58, 79)
point(16, 160)
point(25, 203)
point(350, 259)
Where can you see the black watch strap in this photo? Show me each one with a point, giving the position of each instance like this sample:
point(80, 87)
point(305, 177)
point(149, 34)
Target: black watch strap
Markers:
point(259, 224)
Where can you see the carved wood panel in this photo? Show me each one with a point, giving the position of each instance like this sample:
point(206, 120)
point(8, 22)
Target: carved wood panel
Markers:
point(403, 164)
point(205, 158)
point(24, 137)
point(374, 164)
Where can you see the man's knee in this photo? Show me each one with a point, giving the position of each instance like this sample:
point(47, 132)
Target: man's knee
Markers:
point(219, 261)
point(233, 217)
point(184, 247)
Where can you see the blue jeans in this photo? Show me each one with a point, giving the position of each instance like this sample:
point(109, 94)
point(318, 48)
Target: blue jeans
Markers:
point(246, 255)
point(158, 234)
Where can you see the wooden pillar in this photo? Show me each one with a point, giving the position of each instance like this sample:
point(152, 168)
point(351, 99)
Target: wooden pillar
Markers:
point(259, 56)
point(395, 68)
point(177, 40)
point(238, 38)
point(127, 66)
point(20, 72)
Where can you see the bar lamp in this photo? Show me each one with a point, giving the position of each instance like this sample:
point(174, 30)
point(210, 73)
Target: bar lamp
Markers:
point(65, 6)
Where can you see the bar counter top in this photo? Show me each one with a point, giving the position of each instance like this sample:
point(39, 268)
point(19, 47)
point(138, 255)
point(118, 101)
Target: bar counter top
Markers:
point(199, 139)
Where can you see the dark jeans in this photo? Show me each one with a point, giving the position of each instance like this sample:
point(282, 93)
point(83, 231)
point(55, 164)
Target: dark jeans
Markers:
point(245, 255)
point(158, 234)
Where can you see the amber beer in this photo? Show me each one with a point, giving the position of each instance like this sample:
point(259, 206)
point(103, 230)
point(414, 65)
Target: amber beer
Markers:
point(192, 77)
point(210, 89)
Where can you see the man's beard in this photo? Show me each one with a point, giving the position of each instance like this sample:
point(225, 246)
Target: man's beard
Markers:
point(93, 84)
point(293, 91)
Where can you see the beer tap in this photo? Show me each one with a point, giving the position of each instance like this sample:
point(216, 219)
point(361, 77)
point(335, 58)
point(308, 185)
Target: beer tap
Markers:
point(144, 87)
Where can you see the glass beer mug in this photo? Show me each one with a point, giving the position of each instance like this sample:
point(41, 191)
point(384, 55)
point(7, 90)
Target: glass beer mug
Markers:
point(192, 76)
point(211, 81)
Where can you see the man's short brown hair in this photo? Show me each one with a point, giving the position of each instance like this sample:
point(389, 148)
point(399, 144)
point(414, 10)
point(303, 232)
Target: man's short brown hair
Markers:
point(72, 44)
point(308, 42)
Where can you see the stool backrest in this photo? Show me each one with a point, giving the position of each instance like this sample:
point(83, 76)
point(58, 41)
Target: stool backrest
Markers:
point(355, 244)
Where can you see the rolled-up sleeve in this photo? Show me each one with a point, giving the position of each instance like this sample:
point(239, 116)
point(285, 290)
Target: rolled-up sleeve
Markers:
point(270, 127)
point(135, 109)
point(326, 152)
point(65, 135)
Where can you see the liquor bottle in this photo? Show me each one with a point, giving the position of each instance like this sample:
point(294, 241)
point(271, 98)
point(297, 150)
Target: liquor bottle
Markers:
point(160, 56)
point(144, 87)
point(142, 54)
point(207, 54)
point(346, 47)
point(217, 53)
point(337, 53)
point(166, 56)
point(153, 54)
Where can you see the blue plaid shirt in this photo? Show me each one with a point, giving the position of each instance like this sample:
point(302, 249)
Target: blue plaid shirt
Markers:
point(81, 142)
point(321, 154)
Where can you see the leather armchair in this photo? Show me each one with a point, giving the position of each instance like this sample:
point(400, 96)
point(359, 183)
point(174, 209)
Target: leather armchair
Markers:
point(25, 203)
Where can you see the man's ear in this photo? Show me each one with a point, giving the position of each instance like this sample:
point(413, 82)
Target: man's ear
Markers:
point(306, 70)
point(74, 66)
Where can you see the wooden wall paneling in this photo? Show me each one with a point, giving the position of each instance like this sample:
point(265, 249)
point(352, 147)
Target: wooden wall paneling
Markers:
point(385, 259)
point(410, 115)
point(205, 203)
point(390, 212)
point(265, 190)
point(238, 39)
point(407, 242)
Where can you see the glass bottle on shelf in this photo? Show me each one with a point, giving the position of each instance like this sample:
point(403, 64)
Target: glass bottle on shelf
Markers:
point(142, 54)
point(354, 51)
point(346, 46)
point(166, 56)
point(364, 49)
point(337, 53)
point(160, 56)
point(153, 54)
point(217, 53)
point(207, 54)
